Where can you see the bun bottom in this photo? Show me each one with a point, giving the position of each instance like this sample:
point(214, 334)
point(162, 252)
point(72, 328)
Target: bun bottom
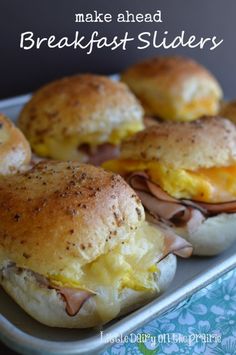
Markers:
point(47, 306)
point(213, 236)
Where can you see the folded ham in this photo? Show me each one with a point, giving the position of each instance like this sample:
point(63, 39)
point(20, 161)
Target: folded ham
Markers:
point(98, 154)
point(171, 211)
point(74, 298)
point(173, 243)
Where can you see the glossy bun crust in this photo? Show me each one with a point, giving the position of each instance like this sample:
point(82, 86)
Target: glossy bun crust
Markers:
point(58, 217)
point(14, 149)
point(174, 88)
point(82, 109)
point(205, 143)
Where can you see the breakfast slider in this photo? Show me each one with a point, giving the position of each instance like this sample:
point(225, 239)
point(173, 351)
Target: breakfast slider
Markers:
point(185, 175)
point(15, 151)
point(75, 249)
point(82, 117)
point(174, 88)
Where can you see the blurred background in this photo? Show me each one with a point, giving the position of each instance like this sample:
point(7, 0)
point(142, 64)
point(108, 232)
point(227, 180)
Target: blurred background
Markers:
point(23, 71)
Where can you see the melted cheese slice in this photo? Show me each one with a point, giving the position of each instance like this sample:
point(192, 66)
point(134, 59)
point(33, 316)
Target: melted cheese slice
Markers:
point(130, 265)
point(67, 147)
point(196, 108)
point(179, 109)
point(208, 185)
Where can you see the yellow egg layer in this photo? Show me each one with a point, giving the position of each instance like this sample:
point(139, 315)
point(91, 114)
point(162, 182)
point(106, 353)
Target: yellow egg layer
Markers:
point(187, 111)
point(197, 108)
point(208, 185)
point(131, 264)
point(67, 148)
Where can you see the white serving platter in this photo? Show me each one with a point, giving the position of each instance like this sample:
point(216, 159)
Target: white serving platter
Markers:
point(25, 335)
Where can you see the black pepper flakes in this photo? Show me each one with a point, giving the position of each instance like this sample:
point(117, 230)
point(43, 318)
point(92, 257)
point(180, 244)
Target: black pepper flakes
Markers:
point(17, 217)
point(138, 213)
point(82, 246)
point(27, 256)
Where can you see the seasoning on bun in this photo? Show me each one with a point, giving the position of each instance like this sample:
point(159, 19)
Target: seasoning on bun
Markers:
point(82, 117)
point(185, 174)
point(75, 249)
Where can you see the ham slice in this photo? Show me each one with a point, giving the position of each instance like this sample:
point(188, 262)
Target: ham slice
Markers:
point(173, 243)
point(74, 298)
point(162, 206)
point(176, 245)
point(161, 209)
point(171, 210)
point(216, 208)
point(149, 121)
point(97, 155)
point(196, 219)
point(140, 182)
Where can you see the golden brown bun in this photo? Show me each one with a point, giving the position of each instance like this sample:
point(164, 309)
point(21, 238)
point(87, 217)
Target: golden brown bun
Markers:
point(46, 305)
point(82, 109)
point(14, 149)
point(205, 143)
point(174, 88)
point(228, 110)
point(60, 216)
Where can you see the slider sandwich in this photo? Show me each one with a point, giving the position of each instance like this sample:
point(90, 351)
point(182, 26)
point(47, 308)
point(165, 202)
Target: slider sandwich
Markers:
point(174, 88)
point(15, 151)
point(82, 117)
point(185, 175)
point(75, 249)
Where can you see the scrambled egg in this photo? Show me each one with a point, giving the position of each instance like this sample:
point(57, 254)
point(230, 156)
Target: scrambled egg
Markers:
point(196, 108)
point(67, 147)
point(208, 185)
point(183, 111)
point(130, 265)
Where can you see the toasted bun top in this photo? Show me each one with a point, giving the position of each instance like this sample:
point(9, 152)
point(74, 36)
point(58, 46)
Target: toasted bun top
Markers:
point(174, 88)
point(14, 148)
point(60, 216)
point(85, 106)
point(205, 143)
point(175, 75)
